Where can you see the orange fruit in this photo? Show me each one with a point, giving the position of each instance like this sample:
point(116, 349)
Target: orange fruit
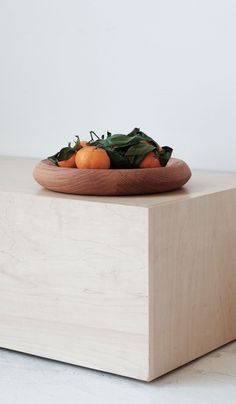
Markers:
point(92, 157)
point(150, 161)
point(70, 163)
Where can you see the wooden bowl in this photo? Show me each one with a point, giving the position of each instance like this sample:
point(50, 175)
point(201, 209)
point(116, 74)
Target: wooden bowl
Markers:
point(137, 181)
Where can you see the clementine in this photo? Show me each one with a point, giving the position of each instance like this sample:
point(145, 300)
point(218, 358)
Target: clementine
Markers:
point(92, 157)
point(150, 161)
point(70, 163)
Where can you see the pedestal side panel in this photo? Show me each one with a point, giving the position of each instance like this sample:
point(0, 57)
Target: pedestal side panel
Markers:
point(74, 282)
point(192, 279)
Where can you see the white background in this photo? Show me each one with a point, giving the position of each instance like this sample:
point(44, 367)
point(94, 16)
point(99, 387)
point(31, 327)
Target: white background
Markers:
point(167, 66)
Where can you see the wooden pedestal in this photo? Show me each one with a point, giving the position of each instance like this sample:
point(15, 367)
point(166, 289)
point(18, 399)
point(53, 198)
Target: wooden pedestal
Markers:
point(135, 286)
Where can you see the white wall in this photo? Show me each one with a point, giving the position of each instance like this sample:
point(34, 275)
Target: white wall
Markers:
point(167, 66)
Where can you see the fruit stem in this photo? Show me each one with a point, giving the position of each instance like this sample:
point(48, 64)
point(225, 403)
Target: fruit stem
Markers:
point(93, 133)
point(77, 144)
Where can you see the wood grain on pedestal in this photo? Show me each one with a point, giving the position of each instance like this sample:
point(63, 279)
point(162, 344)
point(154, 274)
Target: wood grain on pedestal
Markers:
point(192, 279)
point(130, 285)
point(74, 282)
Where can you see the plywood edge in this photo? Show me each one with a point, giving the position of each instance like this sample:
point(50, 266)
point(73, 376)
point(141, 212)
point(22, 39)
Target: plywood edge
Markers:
point(151, 320)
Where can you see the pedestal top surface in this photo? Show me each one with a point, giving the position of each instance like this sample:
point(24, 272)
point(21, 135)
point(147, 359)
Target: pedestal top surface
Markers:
point(16, 177)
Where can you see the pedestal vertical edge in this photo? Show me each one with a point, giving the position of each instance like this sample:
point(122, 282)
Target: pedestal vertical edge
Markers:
point(151, 316)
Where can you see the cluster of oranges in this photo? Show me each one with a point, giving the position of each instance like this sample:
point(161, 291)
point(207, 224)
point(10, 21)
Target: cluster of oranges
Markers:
point(94, 157)
point(134, 150)
point(87, 157)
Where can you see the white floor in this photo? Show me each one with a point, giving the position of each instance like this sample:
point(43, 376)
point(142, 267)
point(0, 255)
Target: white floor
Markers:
point(25, 379)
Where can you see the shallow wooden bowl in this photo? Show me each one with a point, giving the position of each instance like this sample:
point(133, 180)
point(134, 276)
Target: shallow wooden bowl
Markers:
point(113, 181)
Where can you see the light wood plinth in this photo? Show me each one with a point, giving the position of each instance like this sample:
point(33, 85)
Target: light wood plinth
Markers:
point(130, 285)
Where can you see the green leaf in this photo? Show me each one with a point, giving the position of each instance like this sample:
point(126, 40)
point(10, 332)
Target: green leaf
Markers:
point(65, 153)
point(77, 145)
point(121, 140)
point(118, 160)
point(142, 136)
point(140, 149)
point(134, 132)
point(53, 158)
point(165, 155)
point(139, 152)
point(116, 141)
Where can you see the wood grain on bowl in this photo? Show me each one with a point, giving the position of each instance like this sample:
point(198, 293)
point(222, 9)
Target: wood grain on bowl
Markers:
point(112, 181)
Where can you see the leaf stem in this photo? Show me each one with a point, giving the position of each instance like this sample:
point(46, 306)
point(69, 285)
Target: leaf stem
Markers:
point(93, 133)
